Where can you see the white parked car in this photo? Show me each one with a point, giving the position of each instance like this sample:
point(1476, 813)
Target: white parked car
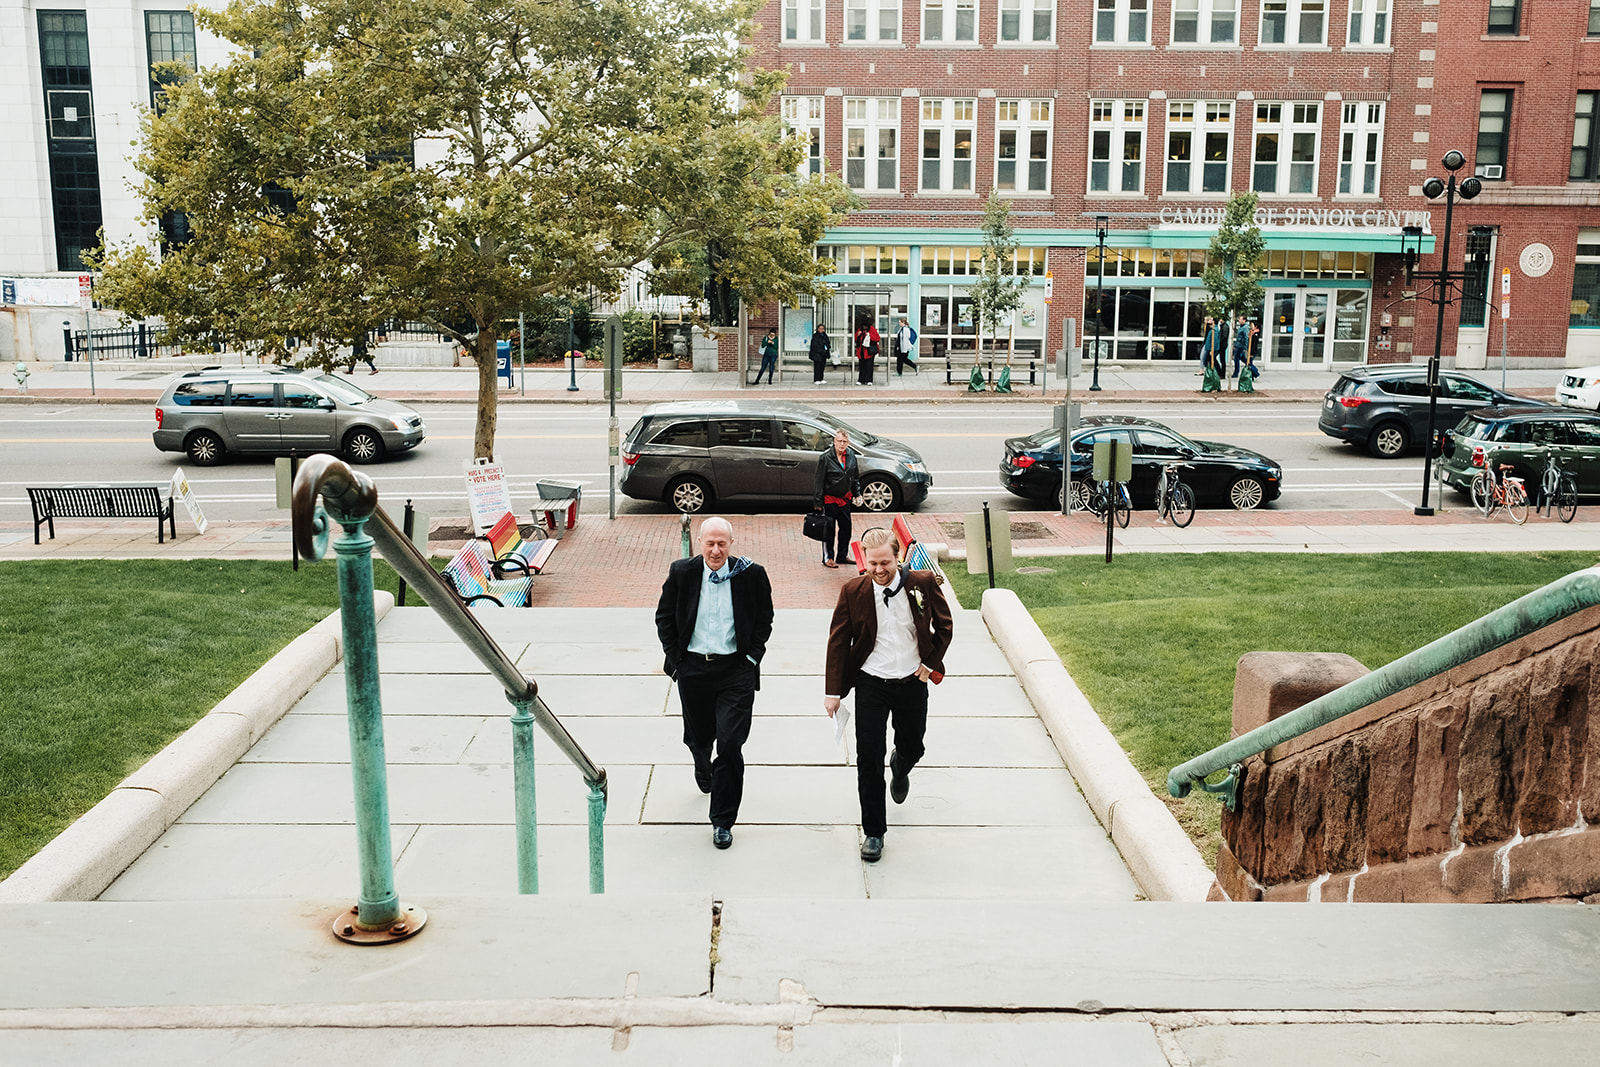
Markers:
point(1580, 388)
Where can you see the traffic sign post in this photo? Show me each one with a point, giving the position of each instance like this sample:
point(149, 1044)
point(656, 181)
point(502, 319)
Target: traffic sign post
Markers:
point(1505, 317)
point(1112, 465)
point(613, 339)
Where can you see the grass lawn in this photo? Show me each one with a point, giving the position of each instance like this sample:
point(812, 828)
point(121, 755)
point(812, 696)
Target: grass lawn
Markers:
point(103, 662)
point(1153, 639)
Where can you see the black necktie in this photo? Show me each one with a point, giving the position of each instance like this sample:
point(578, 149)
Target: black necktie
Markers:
point(887, 593)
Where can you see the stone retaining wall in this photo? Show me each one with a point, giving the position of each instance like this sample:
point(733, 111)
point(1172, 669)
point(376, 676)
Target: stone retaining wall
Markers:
point(1469, 788)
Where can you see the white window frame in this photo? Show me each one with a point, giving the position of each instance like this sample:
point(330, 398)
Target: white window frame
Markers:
point(1114, 125)
point(1026, 14)
point(1023, 122)
point(1294, 14)
point(947, 120)
point(1292, 121)
point(1204, 14)
point(805, 21)
point(870, 117)
point(1121, 18)
point(947, 14)
point(871, 21)
point(803, 119)
point(1201, 119)
point(1360, 146)
point(1369, 24)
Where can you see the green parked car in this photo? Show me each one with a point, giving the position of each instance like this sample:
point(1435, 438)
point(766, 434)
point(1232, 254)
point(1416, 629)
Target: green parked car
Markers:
point(1523, 437)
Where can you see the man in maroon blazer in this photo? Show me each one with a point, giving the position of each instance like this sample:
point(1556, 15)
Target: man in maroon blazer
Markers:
point(889, 634)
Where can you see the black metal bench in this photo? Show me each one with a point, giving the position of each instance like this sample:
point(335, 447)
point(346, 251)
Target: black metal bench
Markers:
point(120, 501)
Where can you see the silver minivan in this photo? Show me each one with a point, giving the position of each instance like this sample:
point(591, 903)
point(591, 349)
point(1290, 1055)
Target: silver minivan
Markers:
point(211, 413)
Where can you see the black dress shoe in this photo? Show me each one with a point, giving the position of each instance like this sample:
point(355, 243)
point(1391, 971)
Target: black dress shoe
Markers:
point(899, 784)
point(721, 836)
point(872, 849)
point(702, 778)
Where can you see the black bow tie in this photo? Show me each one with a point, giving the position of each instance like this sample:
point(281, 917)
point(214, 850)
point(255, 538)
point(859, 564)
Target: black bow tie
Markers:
point(887, 592)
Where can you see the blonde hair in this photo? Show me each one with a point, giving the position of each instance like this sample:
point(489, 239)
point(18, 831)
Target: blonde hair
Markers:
point(875, 537)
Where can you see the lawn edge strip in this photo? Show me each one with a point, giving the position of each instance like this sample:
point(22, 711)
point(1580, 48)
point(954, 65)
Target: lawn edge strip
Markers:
point(81, 861)
point(1160, 855)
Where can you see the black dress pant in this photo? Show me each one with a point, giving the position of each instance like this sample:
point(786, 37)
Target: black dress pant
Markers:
point(840, 514)
point(879, 702)
point(818, 367)
point(718, 697)
point(864, 371)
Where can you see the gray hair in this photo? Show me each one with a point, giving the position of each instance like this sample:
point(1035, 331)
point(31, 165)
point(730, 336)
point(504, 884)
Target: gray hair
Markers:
point(716, 523)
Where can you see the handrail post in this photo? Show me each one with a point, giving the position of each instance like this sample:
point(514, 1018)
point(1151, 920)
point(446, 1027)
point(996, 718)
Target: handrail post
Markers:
point(597, 841)
point(522, 767)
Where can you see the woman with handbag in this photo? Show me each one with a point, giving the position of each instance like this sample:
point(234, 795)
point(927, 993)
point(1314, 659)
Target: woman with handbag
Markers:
point(838, 484)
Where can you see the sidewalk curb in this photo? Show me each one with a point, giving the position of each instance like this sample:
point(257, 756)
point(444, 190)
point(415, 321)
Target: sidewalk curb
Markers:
point(1160, 855)
point(86, 857)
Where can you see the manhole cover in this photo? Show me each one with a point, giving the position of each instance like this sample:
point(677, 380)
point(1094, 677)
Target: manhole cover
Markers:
point(1020, 531)
point(1036, 570)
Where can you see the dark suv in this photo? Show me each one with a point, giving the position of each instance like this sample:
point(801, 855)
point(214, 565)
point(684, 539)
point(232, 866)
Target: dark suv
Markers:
point(1523, 437)
point(692, 453)
point(1385, 408)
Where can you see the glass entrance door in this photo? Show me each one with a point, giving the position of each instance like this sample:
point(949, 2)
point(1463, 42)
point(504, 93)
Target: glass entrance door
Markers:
point(1298, 325)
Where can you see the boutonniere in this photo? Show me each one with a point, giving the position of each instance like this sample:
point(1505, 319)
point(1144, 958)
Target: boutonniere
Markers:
point(916, 594)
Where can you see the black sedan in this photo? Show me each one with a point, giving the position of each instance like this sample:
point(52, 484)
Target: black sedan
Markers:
point(1219, 474)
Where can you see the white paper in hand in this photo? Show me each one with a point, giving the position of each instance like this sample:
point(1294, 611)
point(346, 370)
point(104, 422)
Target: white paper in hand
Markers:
point(840, 719)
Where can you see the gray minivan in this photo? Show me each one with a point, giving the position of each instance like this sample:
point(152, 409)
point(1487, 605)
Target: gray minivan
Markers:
point(692, 453)
point(279, 411)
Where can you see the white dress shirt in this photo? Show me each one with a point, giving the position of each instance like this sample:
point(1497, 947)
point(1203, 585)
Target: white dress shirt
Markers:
point(894, 655)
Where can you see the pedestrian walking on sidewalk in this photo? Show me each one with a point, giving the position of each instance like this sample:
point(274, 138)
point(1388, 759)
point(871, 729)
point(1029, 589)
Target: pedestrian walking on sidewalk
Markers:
point(359, 354)
point(1241, 342)
point(905, 347)
point(714, 620)
point(821, 353)
point(769, 356)
point(888, 638)
point(1214, 355)
point(838, 485)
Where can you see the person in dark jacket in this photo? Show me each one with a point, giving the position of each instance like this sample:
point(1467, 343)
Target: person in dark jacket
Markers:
point(714, 620)
point(838, 485)
point(821, 353)
point(769, 356)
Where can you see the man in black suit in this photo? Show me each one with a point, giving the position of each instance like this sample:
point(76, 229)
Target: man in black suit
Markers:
point(714, 619)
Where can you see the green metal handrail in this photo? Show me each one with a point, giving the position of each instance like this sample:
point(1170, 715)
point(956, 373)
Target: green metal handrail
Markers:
point(352, 499)
point(1523, 616)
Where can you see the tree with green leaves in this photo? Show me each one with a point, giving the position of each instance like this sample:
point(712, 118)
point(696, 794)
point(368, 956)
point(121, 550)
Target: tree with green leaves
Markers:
point(452, 161)
point(1238, 255)
point(998, 292)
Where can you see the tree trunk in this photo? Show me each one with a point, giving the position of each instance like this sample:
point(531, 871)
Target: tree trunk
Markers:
point(488, 395)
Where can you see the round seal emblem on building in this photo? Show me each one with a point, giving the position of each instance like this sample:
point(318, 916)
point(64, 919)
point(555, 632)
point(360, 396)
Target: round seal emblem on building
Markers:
point(1537, 259)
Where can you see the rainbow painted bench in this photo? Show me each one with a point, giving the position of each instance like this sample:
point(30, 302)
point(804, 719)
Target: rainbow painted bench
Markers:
point(500, 569)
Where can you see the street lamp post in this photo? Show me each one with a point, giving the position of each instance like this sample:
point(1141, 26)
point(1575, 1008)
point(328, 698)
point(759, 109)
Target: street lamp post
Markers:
point(1444, 278)
point(572, 364)
point(1100, 222)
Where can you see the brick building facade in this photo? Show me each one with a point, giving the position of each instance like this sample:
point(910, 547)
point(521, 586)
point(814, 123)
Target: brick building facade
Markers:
point(1150, 113)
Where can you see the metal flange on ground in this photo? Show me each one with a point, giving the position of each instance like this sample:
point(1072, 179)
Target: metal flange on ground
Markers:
point(346, 929)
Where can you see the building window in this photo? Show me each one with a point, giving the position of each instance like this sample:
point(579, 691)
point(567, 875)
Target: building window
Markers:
point(871, 143)
point(69, 133)
point(1285, 161)
point(1204, 21)
point(1505, 17)
point(1116, 146)
point(1122, 21)
point(803, 21)
point(1369, 23)
point(872, 20)
point(1584, 160)
point(169, 38)
point(1198, 136)
point(802, 119)
point(1023, 136)
point(1475, 268)
point(947, 127)
point(1585, 313)
point(1294, 23)
point(1594, 18)
point(1360, 148)
point(1494, 130)
point(1028, 20)
point(950, 20)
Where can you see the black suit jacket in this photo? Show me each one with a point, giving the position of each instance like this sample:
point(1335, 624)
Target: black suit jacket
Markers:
point(679, 607)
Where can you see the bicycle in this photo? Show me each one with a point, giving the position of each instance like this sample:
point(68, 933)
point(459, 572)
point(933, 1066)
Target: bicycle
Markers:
point(1558, 490)
point(1493, 489)
point(1174, 500)
point(1091, 497)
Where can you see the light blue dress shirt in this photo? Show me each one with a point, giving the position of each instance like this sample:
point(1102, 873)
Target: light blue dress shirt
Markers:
point(713, 623)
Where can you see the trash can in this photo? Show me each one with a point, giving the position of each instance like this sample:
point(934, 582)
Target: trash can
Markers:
point(502, 359)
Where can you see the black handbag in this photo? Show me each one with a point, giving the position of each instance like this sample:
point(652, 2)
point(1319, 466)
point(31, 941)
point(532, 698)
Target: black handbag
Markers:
point(818, 527)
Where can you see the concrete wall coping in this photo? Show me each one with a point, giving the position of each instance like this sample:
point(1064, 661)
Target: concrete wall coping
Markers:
point(86, 857)
point(1159, 854)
